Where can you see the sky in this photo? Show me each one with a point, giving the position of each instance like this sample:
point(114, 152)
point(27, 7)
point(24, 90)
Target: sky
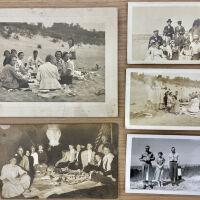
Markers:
point(189, 150)
point(152, 18)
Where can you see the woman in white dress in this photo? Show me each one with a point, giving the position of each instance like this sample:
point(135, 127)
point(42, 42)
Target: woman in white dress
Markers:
point(194, 105)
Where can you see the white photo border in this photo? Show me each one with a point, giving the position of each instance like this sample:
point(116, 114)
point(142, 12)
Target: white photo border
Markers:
point(130, 138)
point(127, 100)
point(129, 30)
point(109, 108)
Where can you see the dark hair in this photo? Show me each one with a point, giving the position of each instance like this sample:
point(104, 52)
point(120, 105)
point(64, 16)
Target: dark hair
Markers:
point(58, 52)
point(64, 54)
point(19, 53)
point(99, 154)
point(11, 57)
point(35, 51)
point(13, 50)
point(71, 40)
point(161, 153)
point(49, 58)
point(6, 51)
point(108, 146)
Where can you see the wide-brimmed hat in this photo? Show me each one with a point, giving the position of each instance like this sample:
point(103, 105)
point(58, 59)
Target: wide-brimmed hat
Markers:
point(156, 31)
point(169, 20)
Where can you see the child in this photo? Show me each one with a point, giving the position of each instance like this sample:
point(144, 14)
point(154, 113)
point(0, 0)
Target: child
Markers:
point(160, 161)
point(186, 53)
point(166, 50)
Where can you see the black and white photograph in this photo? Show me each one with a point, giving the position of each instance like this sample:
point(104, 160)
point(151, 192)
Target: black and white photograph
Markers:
point(58, 57)
point(163, 164)
point(163, 99)
point(163, 33)
point(59, 161)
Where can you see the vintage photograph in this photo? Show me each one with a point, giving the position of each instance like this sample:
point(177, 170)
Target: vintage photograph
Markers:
point(163, 99)
point(163, 164)
point(59, 161)
point(169, 33)
point(56, 55)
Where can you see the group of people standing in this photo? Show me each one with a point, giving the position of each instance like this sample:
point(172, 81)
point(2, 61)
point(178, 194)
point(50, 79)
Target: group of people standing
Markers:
point(18, 175)
point(147, 168)
point(55, 71)
point(175, 44)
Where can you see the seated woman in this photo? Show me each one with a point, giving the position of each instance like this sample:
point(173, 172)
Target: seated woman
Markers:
point(48, 75)
point(194, 105)
point(15, 180)
point(175, 105)
point(10, 79)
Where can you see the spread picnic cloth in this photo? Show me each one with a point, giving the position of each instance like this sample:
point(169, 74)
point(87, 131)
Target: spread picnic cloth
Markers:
point(44, 186)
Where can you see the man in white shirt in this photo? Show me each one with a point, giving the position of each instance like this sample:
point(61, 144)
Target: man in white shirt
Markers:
point(87, 156)
point(34, 62)
point(173, 166)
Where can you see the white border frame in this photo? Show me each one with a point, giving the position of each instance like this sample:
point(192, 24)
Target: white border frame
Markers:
point(129, 30)
point(109, 108)
point(127, 101)
point(130, 137)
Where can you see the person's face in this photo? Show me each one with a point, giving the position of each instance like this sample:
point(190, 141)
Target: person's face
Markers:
point(106, 150)
point(66, 57)
point(33, 149)
point(154, 45)
point(7, 54)
point(78, 147)
point(21, 56)
point(89, 146)
point(53, 60)
point(147, 149)
point(71, 147)
point(160, 155)
point(35, 54)
point(27, 153)
point(14, 53)
point(20, 151)
point(156, 34)
point(58, 55)
point(13, 161)
point(70, 42)
point(169, 23)
point(173, 150)
point(40, 148)
point(98, 158)
point(13, 61)
point(164, 44)
point(104, 139)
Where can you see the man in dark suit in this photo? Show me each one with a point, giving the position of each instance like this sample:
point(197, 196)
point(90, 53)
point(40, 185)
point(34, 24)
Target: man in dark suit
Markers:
point(77, 164)
point(155, 38)
point(179, 35)
point(168, 31)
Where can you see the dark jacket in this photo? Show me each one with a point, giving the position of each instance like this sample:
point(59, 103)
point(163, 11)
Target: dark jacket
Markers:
point(168, 31)
point(156, 39)
point(42, 157)
point(180, 31)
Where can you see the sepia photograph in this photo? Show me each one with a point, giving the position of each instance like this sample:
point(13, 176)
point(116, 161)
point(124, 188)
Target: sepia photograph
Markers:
point(170, 33)
point(163, 99)
point(54, 55)
point(59, 161)
point(163, 164)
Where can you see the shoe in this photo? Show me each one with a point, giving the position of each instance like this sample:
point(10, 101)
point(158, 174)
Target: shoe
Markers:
point(144, 187)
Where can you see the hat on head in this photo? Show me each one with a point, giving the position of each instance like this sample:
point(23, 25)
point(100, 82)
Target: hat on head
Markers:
point(179, 22)
point(169, 20)
point(156, 31)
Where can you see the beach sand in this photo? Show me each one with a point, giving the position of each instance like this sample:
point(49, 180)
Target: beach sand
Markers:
point(87, 57)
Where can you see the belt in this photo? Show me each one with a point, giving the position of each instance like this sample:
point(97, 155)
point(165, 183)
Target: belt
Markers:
point(173, 161)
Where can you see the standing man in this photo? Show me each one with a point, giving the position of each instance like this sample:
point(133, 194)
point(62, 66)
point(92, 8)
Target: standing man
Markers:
point(146, 158)
point(173, 166)
point(155, 38)
point(179, 35)
point(168, 32)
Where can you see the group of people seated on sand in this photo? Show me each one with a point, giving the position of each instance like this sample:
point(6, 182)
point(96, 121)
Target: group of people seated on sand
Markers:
point(175, 44)
point(55, 71)
point(99, 165)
